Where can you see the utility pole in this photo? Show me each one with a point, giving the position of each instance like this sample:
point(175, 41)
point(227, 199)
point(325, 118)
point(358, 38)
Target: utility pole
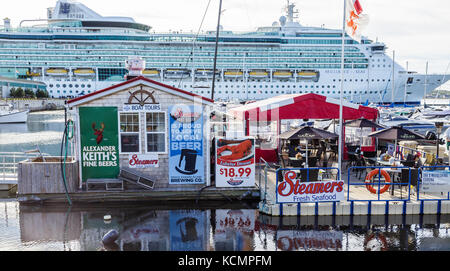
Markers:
point(215, 54)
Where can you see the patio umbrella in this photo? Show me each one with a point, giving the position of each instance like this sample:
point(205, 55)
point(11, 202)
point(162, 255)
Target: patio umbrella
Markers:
point(397, 133)
point(307, 133)
point(363, 123)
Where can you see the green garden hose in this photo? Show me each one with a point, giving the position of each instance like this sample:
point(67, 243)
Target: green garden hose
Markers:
point(68, 135)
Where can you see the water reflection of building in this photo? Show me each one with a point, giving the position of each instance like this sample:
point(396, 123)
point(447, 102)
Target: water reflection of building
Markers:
point(50, 226)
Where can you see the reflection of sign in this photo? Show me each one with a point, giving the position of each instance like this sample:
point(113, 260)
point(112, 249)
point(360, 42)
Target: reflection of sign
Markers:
point(187, 230)
point(435, 181)
point(235, 163)
point(434, 244)
point(99, 142)
point(301, 240)
point(241, 220)
point(143, 160)
point(291, 190)
point(186, 159)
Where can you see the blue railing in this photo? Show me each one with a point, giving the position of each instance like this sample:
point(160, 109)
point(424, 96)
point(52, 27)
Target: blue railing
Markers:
point(379, 182)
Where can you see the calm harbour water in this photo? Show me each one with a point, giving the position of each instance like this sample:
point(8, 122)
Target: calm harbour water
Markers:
point(229, 227)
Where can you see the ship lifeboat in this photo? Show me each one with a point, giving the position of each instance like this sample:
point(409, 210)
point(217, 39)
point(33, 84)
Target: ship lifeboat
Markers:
point(150, 73)
point(308, 75)
point(57, 72)
point(282, 74)
point(84, 72)
point(33, 73)
point(177, 73)
point(259, 74)
point(205, 73)
point(233, 74)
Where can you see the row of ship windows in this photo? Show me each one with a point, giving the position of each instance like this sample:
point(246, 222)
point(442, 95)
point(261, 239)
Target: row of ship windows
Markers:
point(99, 46)
point(226, 86)
point(48, 54)
point(70, 85)
point(254, 92)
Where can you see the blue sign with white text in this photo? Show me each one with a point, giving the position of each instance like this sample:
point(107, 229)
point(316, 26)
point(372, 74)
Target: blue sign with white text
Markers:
point(186, 160)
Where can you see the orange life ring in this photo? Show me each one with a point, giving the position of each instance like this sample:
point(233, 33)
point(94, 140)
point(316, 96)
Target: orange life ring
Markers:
point(369, 181)
point(380, 237)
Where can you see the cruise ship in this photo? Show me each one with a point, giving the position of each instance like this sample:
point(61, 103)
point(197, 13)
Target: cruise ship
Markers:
point(76, 51)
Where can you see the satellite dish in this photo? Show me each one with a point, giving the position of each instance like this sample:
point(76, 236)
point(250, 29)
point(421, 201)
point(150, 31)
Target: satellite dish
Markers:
point(275, 24)
point(283, 20)
point(221, 28)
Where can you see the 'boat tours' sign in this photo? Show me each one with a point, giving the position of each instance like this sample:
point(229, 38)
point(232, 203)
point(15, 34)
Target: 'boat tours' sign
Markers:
point(435, 181)
point(235, 162)
point(291, 190)
point(99, 142)
point(186, 159)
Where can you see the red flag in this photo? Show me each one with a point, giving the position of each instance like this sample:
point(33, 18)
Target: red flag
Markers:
point(355, 21)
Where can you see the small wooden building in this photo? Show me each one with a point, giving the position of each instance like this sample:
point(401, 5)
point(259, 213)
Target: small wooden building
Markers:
point(142, 128)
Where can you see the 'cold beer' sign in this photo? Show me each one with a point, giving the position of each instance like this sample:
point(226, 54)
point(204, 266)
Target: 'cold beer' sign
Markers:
point(291, 190)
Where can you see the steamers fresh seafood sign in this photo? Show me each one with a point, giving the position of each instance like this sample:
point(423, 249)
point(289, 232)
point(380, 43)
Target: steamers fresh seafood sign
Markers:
point(99, 142)
point(235, 162)
point(291, 190)
point(186, 161)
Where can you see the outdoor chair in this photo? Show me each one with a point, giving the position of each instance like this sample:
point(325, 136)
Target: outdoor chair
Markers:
point(403, 180)
point(313, 175)
point(370, 154)
point(312, 161)
point(408, 163)
point(334, 149)
point(352, 159)
point(297, 163)
point(361, 162)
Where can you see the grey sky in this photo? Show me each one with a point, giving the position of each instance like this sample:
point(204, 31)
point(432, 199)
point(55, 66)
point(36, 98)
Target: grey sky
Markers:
point(417, 30)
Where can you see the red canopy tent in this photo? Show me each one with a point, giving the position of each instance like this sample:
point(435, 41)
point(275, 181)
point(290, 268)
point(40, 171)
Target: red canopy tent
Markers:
point(299, 106)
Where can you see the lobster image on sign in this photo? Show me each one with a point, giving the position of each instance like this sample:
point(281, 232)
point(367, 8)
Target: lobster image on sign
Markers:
point(235, 162)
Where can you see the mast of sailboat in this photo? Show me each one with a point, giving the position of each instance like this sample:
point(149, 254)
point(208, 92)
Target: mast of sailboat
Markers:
point(406, 83)
point(425, 85)
point(215, 53)
point(393, 78)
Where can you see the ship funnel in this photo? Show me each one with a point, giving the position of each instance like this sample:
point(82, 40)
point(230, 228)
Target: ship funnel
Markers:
point(50, 13)
point(7, 23)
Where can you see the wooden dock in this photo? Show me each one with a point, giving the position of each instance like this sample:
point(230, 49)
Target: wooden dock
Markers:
point(157, 195)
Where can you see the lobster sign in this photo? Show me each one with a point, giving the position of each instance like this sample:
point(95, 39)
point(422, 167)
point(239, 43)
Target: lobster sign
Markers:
point(235, 162)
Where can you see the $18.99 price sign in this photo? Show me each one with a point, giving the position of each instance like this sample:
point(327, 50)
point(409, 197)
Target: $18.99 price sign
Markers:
point(235, 162)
